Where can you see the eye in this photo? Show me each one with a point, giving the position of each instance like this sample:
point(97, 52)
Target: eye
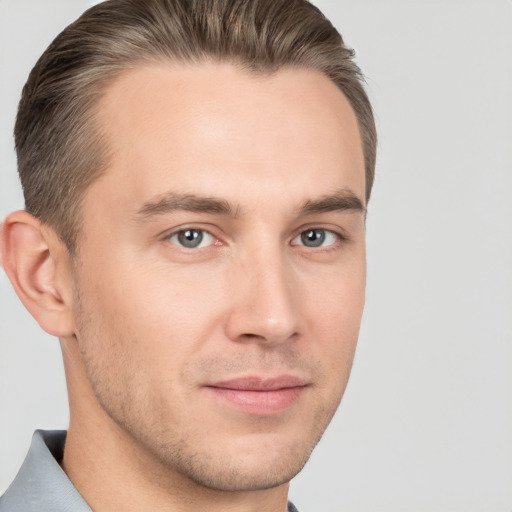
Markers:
point(192, 238)
point(316, 238)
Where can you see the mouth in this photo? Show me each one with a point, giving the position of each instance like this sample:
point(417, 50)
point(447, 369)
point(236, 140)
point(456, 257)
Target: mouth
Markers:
point(260, 396)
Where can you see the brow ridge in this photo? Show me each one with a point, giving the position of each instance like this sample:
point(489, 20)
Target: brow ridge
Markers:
point(173, 201)
point(342, 200)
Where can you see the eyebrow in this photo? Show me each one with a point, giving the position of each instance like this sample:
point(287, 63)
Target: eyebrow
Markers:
point(173, 201)
point(342, 200)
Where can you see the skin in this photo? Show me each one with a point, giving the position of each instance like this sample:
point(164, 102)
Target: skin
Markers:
point(149, 327)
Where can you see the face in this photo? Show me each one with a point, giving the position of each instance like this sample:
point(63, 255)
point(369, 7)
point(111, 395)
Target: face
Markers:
point(221, 269)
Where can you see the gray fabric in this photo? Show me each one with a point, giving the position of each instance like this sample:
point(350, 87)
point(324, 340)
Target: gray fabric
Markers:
point(292, 507)
point(41, 485)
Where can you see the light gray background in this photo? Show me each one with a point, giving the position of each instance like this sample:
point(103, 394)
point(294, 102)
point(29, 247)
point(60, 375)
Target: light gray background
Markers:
point(426, 424)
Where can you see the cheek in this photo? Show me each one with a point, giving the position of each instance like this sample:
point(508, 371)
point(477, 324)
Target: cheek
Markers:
point(336, 298)
point(334, 317)
point(163, 311)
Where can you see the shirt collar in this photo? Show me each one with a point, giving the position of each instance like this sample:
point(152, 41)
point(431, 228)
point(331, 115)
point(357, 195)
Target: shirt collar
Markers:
point(41, 485)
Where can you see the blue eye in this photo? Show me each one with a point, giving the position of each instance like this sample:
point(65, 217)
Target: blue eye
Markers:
point(316, 238)
point(192, 238)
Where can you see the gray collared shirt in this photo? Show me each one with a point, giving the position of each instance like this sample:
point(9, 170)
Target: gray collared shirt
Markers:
point(41, 485)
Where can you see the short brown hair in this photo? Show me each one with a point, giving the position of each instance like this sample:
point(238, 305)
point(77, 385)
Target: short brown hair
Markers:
point(60, 148)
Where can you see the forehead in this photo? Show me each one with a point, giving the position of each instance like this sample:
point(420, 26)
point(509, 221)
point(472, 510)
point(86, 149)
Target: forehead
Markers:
point(215, 129)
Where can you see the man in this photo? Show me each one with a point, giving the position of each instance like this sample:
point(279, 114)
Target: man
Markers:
point(196, 175)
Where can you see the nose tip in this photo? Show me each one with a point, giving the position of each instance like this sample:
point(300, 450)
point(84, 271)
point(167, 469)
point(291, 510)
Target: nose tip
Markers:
point(263, 308)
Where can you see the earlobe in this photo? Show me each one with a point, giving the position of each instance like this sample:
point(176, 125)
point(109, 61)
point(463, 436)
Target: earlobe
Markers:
point(37, 264)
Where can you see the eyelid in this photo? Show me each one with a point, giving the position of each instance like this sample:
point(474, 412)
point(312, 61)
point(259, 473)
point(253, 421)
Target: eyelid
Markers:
point(206, 239)
point(337, 230)
point(340, 235)
point(168, 234)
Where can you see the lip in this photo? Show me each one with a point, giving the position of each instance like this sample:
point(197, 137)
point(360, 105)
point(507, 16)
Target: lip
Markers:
point(259, 395)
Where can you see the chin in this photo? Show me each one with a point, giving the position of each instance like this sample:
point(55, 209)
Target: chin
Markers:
point(262, 463)
point(240, 474)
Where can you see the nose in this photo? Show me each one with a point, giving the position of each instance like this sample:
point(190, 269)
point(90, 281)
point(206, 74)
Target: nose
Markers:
point(263, 306)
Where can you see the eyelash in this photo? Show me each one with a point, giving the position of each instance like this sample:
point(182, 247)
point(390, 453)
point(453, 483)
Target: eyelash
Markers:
point(325, 233)
point(339, 238)
point(183, 231)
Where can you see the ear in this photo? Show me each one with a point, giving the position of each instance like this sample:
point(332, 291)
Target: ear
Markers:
point(39, 267)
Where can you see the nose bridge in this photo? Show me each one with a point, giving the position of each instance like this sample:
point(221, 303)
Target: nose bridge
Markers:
point(263, 304)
